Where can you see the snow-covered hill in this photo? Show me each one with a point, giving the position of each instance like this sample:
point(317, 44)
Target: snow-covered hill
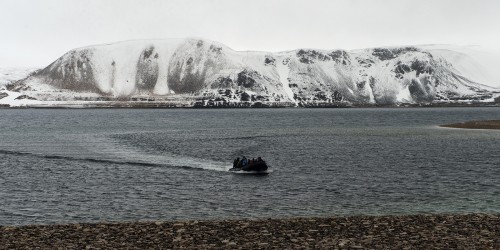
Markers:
point(203, 72)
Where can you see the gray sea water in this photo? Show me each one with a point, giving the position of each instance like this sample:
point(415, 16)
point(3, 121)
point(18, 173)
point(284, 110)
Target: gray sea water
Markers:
point(93, 165)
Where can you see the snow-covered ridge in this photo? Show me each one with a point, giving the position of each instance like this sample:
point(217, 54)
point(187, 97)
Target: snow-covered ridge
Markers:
point(202, 69)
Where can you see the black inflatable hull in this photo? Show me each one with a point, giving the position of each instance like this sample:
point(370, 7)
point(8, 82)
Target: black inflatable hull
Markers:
point(256, 167)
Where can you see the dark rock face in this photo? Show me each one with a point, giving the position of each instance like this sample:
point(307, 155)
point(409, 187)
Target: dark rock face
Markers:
point(247, 78)
point(366, 63)
point(372, 82)
point(223, 83)
point(74, 73)
point(191, 64)
point(388, 54)
point(401, 69)
point(340, 56)
point(309, 56)
point(22, 97)
point(216, 49)
point(421, 67)
point(192, 82)
point(361, 85)
point(421, 91)
point(245, 97)
point(147, 69)
point(2, 95)
point(337, 96)
point(269, 60)
point(383, 54)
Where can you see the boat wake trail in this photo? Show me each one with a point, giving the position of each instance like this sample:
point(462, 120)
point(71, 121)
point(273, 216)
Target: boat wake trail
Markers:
point(105, 150)
point(177, 163)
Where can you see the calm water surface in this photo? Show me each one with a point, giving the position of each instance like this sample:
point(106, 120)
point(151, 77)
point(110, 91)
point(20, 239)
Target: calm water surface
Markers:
point(90, 165)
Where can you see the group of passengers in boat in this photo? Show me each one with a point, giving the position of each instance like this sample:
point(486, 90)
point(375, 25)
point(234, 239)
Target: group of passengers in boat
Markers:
point(237, 163)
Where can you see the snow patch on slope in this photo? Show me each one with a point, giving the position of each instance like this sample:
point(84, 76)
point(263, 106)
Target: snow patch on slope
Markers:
point(284, 73)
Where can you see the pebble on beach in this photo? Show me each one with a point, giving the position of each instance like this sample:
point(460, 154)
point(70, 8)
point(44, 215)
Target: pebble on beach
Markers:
point(374, 232)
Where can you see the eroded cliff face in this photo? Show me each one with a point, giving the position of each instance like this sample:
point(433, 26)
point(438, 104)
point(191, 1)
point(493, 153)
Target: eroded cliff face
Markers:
point(212, 71)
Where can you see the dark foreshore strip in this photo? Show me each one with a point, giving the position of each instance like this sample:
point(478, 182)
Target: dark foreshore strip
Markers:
point(489, 124)
point(472, 231)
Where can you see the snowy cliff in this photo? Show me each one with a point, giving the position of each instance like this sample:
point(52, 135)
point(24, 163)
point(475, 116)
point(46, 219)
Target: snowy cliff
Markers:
point(198, 69)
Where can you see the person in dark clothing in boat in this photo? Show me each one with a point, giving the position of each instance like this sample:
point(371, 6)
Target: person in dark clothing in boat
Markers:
point(236, 162)
point(240, 164)
point(259, 159)
point(244, 162)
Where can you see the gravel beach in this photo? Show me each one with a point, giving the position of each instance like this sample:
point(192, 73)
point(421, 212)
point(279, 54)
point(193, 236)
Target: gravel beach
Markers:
point(489, 124)
point(374, 232)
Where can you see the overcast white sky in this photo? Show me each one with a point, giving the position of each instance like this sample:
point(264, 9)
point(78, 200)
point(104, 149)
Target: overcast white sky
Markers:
point(36, 32)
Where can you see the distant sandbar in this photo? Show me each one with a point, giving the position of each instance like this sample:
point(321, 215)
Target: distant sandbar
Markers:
point(488, 124)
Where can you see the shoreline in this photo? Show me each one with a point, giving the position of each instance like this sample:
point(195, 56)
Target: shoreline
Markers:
point(483, 124)
point(393, 231)
point(163, 106)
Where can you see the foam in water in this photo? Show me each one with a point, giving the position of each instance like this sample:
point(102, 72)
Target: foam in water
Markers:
point(119, 152)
